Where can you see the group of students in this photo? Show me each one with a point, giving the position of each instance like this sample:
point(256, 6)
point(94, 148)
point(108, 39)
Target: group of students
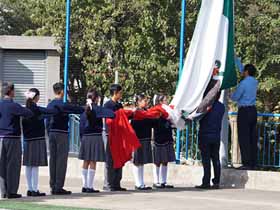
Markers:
point(93, 149)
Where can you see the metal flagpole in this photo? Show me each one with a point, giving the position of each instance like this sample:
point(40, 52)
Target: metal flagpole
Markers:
point(181, 64)
point(66, 56)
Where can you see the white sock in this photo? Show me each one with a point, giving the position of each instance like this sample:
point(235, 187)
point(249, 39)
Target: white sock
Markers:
point(136, 175)
point(91, 174)
point(156, 174)
point(35, 178)
point(84, 178)
point(28, 174)
point(141, 175)
point(163, 174)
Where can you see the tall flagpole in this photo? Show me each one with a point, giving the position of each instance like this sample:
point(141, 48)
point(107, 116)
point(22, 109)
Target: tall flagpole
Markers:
point(66, 56)
point(181, 64)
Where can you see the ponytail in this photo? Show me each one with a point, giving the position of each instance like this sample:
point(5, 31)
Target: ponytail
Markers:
point(30, 95)
point(92, 97)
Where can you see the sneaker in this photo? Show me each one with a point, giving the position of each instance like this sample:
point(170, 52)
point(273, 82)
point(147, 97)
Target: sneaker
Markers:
point(13, 196)
point(29, 193)
point(61, 192)
point(203, 186)
point(38, 194)
point(143, 188)
point(167, 186)
point(84, 190)
point(91, 190)
point(158, 186)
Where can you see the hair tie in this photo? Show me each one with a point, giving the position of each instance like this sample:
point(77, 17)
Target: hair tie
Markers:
point(29, 94)
point(154, 99)
point(89, 103)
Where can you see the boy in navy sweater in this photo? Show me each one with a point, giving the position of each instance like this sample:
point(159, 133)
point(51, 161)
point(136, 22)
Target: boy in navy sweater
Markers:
point(58, 139)
point(10, 144)
point(209, 143)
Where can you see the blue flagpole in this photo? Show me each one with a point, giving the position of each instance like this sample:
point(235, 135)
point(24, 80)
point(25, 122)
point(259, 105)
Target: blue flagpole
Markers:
point(66, 56)
point(181, 64)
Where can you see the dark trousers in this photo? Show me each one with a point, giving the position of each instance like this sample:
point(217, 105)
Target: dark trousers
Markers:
point(113, 176)
point(210, 152)
point(247, 135)
point(10, 165)
point(59, 148)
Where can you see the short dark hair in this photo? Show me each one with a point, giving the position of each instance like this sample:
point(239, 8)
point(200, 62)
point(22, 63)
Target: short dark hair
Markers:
point(115, 88)
point(251, 69)
point(158, 98)
point(58, 87)
point(7, 88)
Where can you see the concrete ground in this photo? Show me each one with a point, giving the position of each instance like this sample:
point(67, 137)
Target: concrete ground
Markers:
point(180, 198)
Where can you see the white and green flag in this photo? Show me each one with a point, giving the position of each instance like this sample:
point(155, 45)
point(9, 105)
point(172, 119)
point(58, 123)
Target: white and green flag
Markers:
point(213, 39)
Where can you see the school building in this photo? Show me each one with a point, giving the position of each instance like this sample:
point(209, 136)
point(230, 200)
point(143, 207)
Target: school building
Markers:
point(30, 61)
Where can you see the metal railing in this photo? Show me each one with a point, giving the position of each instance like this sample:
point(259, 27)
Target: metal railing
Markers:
point(74, 133)
point(268, 135)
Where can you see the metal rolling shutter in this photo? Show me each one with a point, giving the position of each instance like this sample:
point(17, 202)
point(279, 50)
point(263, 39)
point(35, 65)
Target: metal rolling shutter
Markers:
point(26, 69)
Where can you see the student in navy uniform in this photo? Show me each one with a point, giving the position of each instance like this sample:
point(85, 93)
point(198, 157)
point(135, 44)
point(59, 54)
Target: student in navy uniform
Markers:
point(10, 142)
point(92, 148)
point(113, 176)
point(58, 139)
point(35, 148)
point(143, 130)
point(245, 96)
point(163, 148)
point(209, 143)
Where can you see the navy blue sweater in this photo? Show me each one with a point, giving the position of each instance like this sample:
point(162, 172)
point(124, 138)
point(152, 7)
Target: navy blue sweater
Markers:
point(211, 124)
point(115, 106)
point(94, 125)
point(163, 132)
point(143, 128)
point(59, 122)
point(10, 113)
point(34, 127)
point(87, 128)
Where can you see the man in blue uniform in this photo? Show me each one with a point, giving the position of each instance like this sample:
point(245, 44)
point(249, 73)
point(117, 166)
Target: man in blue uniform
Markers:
point(10, 144)
point(113, 176)
point(58, 139)
point(209, 143)
point(245, 96)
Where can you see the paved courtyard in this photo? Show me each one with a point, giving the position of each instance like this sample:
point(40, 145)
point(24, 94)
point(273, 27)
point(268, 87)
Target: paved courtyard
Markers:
point(182, 197)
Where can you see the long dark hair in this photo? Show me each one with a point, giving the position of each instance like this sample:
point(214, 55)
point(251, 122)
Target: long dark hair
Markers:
point(92, 95)
point(29, 99)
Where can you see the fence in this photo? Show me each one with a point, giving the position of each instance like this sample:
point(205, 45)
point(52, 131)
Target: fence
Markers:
point(268, 133)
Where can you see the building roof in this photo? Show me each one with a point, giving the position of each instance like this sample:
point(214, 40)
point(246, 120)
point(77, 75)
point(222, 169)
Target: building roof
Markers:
point(28, 43)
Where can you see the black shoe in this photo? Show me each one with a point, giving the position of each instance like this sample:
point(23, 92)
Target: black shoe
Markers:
point(91, 190)
point(84, 190)
point(38, 194)
point(243, 168)
point(12, 196)
point(61, 192)
point(158, 186)
point(29, 193)
point(120, 189)
point(167, 186)
point(143, 188)
point(203, 186)
point(3, 196)
point(215, 186)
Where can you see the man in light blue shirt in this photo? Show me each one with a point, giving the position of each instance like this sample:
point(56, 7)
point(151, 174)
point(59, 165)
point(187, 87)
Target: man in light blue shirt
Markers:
point(245, 96)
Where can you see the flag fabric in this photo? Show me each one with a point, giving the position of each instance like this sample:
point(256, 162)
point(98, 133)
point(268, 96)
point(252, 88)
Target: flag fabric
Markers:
point(213, 39)
point(122, 138)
